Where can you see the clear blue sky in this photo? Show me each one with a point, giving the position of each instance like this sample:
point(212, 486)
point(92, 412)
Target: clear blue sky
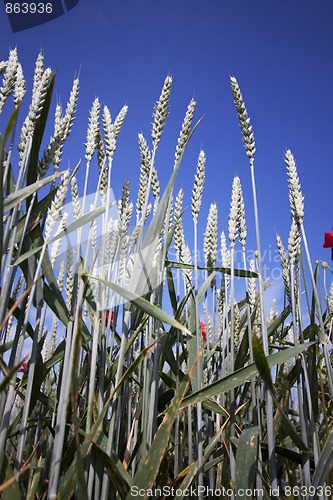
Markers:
point(281, 54)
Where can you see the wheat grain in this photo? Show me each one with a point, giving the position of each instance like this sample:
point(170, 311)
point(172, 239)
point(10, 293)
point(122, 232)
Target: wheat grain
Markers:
point(155, 184)
point(296, 198)
point(155, 205)
point(77, 210)
point(237, 327)
point(62, 129)
point(225, 252)
point(53, 151)
point(129, 269)
point(273, 312)
point(68, 119)
point(135, 233)
point(125, 209)
point(233, 220)
point(102, 167)
point(294, 242)
point(210, 236)
point(184, 132)
point(93, 129)
point(9, 78)
point(113, 237)
point(144, 174)
point(185, 257)
point(244, 120)
point(3, 66)
point(54, 212)
point(58, 120)
point(179, 230)
point(118, 123)
point(35, 108)
point(69, 276)
point(19, 89)
point(38, 73)
point(109, 135)
point(161, 112)
point(284, 265)
point(241, 215)
point(199, 180)
point(55, 249)
point(51, 154)
point(220, 303)
point(39, 95)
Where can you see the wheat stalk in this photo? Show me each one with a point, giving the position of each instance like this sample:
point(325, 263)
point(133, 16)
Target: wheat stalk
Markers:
point(250, 149)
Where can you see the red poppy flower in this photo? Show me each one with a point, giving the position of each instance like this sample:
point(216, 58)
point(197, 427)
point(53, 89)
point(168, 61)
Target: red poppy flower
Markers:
point(24, 367)
point(328, 242)
point(107, 316)
point(203, 331)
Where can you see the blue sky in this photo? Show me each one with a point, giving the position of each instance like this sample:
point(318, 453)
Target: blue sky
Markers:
point(281, 55)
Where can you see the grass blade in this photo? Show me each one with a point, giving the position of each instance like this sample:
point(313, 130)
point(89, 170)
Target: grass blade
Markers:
point(246, 460)
point(241, 376)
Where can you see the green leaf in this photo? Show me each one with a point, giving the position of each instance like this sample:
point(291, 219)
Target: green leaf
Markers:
point(38, 134)
point(324, 465)
point(10, 373)
point(10, 127)
point(172, 292)
point(145, 277)
point(142, 303)
point(8, 345)
point(241, 376)
point(261, 362)
point(31, 494)
point(51, 293)
point(24, 256)
point(149, 467)
point(37, 214)
point(246, 460)
point(196, 381)
point(81, 221)
point(243, 273)
point(11, 123)
point(294, 456)
point(15, 198)
point(264, 370)
point(119, 477)
point(191, 471)
point(85, 219)
point(56, 304)
point(69, 480)
point(278, 321)
point(12, 491)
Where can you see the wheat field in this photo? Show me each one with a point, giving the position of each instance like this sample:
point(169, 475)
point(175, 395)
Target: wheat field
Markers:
point(128, 369)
